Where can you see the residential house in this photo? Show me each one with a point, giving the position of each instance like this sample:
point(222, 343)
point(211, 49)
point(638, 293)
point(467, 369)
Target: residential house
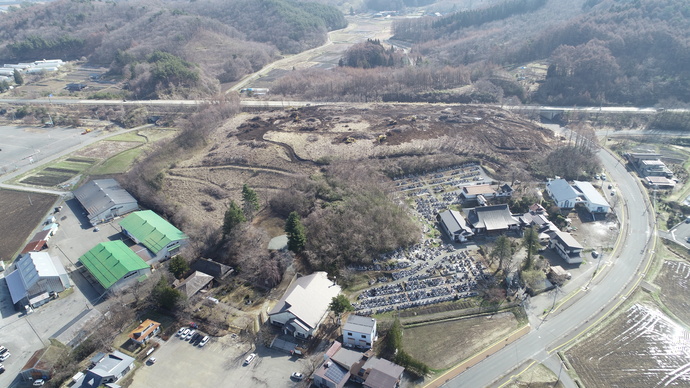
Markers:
point(341, 365)
point(105, 199)
point(562, 193)
point(113, 265)
point(470, 193)
point(193, 284)
point(563, 243)
point(37, 276)
point(380, 373)
point(655, 168)
point(454, 224)
point(110, 369)
point(537, 209)
point(304, 305)
point(566, 246)
point(537, 219)
point(649, 164)
point(590, 197)
point(359, 331)
point(155, 233)
point(217, 270)
point(504, 191)
point(145, 331)
point(492, 219)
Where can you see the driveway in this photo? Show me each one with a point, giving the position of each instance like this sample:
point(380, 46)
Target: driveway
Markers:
point(218, 364)
point(679, 233)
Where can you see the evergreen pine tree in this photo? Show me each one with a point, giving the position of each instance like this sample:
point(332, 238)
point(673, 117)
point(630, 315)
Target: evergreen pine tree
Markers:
point(233, 217)
point(297, 238)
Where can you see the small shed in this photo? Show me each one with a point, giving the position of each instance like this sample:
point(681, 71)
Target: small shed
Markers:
point(42, 363)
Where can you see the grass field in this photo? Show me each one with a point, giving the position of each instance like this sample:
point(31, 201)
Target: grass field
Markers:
point(21, 213)
point(444, 344)
point(118, 163)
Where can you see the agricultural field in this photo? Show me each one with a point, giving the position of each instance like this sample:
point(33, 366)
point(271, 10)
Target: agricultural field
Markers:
point(641, 348)
point(22, 211)
point(674, 280)
point(431, 343)
point(55, 174)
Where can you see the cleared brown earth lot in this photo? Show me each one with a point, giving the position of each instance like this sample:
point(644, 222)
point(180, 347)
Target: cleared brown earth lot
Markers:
point(21, 212)
point(218, 364)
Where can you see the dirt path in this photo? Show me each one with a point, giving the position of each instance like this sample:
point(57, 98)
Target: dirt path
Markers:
point(271, 170)
point(357, 30)
point(205, 182)
point(290, 151)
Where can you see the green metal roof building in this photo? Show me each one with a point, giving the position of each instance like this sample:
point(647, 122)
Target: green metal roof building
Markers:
point(112, 262)
point(155, 233)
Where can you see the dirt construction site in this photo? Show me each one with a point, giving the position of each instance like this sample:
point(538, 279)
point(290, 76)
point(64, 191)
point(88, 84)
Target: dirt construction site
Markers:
point(268, 150)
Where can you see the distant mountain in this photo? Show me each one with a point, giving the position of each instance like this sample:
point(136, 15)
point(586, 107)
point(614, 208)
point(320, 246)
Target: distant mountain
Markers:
point(226, 38)
point(600, 51)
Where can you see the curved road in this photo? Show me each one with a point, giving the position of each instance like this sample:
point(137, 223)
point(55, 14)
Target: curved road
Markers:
point(588, 306)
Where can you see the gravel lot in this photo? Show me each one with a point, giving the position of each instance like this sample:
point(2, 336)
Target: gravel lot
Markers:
point(219, 363)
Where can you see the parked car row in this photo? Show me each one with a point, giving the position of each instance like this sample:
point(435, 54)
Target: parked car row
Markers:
point(195, 338)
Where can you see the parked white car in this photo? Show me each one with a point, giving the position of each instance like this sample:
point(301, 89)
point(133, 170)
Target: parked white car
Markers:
point(204, 341)
point(249, 359)
point(190, 335)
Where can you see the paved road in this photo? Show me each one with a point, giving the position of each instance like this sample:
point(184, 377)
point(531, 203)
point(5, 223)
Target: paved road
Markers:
point(293, 103)
point(588, 306)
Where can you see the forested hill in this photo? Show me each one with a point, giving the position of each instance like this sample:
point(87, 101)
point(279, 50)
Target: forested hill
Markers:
point(601, 51)
point(226, 38)
point(425, 29)
point(625, 52)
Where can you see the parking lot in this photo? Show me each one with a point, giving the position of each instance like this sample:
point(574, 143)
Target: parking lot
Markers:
point(218, 364)
point(24, 145)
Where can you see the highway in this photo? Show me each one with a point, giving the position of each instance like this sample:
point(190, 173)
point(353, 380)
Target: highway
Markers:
point(272, 104)
point(588, 306)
